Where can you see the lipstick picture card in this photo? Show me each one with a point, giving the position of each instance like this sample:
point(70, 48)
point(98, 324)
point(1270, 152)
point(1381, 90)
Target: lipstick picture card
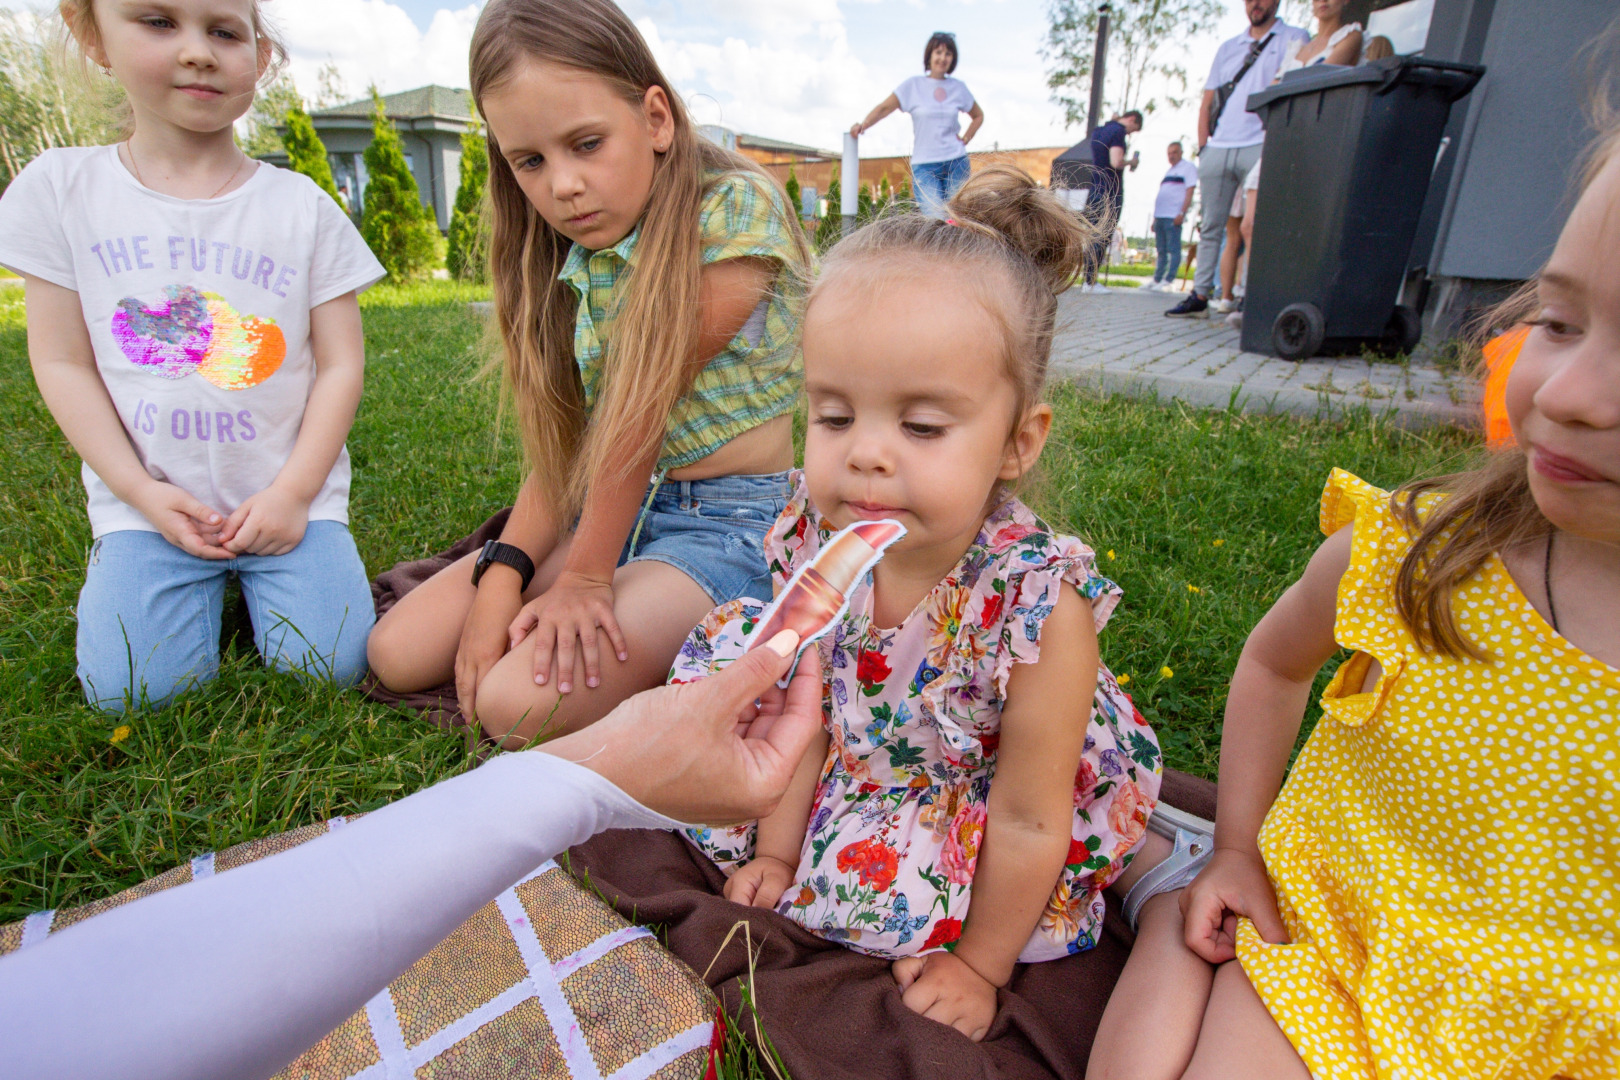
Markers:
point(817, 595)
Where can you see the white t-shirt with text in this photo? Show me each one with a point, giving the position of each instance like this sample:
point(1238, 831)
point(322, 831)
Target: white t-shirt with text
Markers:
point(198, 312)
point(1238, 126)
point(1179, 179)
point(935, 106)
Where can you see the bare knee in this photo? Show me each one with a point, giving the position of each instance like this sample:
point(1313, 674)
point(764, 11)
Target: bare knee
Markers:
point(388, 651)
point(514, 711)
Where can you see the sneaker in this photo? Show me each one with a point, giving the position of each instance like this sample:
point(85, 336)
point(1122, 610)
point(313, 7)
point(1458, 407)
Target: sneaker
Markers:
point(1235, 320)
point(1085, 288)
point(1101, 290)
point(1191, 304)
point(1222, 307)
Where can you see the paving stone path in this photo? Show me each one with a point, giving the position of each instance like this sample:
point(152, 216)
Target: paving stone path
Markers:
point(1122, 343)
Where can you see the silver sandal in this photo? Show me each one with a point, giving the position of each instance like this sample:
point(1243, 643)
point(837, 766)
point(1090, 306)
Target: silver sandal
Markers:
point(1194, 840)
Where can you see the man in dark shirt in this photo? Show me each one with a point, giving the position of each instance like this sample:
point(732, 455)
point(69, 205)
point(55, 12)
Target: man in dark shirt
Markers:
point(1108, 167)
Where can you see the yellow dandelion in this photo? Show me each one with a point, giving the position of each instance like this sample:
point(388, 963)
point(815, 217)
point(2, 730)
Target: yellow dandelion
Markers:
point(120, 733)
point(1194, 589)
point(1165, 672)
point(1110, 554)
point(1217, 543)
point(1124, 678)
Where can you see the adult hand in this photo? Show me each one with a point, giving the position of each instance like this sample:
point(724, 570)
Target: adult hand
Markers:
point(570, 610)
point(269, 522)
point(717, 751)
point(1178, 220)
point(184, 521)
point(943, 987)
point(856, 128)
point(484, 637)
point(1233, 884)
point(760, 883)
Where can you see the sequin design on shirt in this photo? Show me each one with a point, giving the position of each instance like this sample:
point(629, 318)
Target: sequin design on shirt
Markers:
point(191, 331)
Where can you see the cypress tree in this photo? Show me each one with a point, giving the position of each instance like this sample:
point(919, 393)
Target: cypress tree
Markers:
point(829, 231)
point(466, 258)
point(306, 151)
point(794, 196)
point(396, 226)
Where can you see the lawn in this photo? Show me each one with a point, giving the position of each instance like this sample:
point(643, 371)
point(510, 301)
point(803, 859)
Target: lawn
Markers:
point(1203, 518)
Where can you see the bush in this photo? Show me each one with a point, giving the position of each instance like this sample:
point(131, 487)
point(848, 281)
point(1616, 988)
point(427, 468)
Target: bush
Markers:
point(829, 231)
point(396, 226)
point(306, 153)
point(467, 258)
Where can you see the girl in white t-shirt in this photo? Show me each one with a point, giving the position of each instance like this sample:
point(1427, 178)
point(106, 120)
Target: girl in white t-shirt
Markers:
point(939, 161)
point(193, 328)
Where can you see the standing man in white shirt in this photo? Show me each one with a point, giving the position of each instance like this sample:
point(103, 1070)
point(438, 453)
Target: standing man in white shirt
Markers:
point(1169, 211)
point(1229, 136)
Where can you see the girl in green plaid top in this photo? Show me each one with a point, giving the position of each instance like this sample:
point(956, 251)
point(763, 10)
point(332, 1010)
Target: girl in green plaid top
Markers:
point(647, 287)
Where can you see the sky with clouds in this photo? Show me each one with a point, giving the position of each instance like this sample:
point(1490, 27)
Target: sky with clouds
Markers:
point(800, 70)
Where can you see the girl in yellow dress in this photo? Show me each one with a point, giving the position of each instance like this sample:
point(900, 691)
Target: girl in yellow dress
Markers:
point(1435, 892)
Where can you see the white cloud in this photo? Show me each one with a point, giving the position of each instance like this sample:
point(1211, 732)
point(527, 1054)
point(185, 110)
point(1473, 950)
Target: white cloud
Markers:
point(374, 41)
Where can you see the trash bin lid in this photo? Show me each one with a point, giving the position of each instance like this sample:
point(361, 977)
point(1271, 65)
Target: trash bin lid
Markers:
point(1388, 73)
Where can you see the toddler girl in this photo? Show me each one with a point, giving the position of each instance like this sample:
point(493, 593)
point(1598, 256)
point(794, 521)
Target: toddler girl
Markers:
point(644, 299)
point(976, 751)
point(1433, 893)
point(193, 328)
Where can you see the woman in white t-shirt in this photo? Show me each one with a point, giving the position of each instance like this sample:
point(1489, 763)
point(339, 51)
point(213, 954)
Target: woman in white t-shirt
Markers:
point(193, 329)
point(939, 161)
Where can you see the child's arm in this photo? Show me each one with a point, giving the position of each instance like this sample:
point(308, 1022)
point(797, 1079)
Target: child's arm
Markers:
point(1026, 833)
point(1264, 708)
point(64, 363)
point(582, 597)
point(272, 521)
point(779, 836)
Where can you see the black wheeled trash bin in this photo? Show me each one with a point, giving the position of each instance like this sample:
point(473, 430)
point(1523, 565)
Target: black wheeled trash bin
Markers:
point(1348, 156)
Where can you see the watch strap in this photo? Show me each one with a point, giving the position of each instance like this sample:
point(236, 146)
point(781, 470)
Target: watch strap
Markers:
point(507, 555)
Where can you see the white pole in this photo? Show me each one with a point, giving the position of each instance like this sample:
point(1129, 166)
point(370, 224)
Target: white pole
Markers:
point(849, 180)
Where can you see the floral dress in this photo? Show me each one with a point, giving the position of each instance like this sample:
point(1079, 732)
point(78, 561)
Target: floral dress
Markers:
point(914, 714)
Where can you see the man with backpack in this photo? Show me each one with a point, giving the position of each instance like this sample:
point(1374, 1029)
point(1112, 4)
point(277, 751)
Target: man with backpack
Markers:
point(1229, 136)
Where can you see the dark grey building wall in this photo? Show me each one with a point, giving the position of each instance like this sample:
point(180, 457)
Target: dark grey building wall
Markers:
point(1521, 135)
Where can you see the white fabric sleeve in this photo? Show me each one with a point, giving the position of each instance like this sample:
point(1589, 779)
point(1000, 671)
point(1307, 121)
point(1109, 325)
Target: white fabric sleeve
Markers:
point(342, 262)
point(31, 236)
point(237, 974)
point(905, 93)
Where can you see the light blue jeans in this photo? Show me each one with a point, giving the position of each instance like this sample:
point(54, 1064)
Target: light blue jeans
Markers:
point(149, 614)
point(934, 182)
point(1167, 238)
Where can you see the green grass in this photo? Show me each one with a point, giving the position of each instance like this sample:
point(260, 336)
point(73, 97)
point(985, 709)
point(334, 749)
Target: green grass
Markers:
point(1181, 497)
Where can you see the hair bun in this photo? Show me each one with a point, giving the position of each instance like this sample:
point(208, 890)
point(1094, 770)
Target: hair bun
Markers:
point(1007, 201)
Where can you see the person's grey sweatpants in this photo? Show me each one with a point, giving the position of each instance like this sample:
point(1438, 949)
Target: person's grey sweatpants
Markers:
point(1221, 170)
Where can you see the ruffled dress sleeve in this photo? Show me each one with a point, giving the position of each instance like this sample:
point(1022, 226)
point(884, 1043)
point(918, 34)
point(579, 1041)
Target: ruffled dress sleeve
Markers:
point(1365, 619)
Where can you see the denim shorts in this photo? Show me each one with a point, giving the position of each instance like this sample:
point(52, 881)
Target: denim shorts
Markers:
point(713, 531)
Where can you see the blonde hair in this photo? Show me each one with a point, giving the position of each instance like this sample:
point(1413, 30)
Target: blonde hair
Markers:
point(654, 322)
point(1002, 222)
point(1489, 508)
point(79, 26)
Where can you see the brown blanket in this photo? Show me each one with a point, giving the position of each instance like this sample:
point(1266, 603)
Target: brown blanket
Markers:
point(834, 1014)
point(831, 1013)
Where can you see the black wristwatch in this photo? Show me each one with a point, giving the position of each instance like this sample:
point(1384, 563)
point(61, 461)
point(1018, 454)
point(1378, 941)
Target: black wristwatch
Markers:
point(497, 552)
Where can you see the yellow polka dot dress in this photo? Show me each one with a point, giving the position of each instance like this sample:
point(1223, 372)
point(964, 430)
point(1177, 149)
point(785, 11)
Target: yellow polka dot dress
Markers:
point(1447, 848)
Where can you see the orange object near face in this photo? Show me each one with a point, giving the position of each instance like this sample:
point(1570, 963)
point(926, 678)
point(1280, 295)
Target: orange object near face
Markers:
point(1500, 353)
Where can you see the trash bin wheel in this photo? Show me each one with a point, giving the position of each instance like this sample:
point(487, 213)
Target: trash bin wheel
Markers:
point(1404, 331)
point(1297, 332)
